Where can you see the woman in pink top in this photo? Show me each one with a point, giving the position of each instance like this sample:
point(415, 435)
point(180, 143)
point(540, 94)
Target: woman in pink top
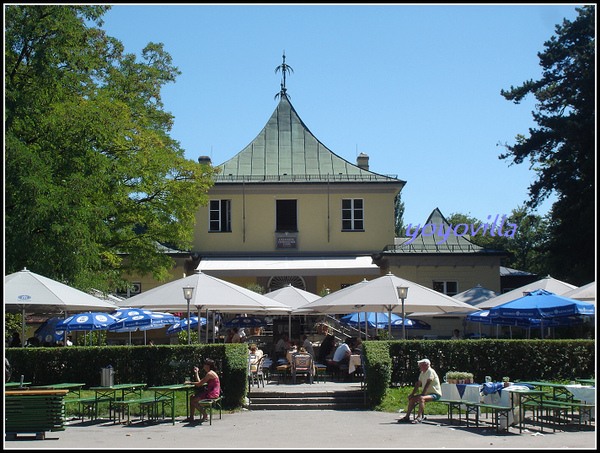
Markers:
point(212, 391)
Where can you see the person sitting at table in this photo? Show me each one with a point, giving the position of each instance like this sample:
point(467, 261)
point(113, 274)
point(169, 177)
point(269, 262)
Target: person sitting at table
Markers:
point(212, 391)
point(432, 391)
point(282, 347)
point(358, 347)
point(307, 345)
point(255, 354)
point(327, 346)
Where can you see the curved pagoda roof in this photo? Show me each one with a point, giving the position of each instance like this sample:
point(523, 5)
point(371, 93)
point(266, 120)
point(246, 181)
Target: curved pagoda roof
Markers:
point(286, 151)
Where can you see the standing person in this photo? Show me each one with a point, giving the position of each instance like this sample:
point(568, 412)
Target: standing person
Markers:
point(212, 391)
point(456, 335)
point(236, 336)
point(432, 391)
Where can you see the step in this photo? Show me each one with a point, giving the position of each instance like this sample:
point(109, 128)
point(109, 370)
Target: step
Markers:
point(306, 400)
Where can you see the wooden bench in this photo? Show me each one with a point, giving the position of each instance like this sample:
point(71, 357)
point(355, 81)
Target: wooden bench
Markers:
point(90, 405)
point(560, 407)
point(149, 405)
point(497, 411)
point(452, 404)
point(33, 411)
point(210, 404)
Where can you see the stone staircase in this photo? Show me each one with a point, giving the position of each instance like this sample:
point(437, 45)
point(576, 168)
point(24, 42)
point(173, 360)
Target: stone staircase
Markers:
point(307, 399)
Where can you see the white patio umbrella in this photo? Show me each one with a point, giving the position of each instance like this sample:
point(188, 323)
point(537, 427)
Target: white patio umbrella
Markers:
point(381, 295)
point(293, 297)
point(209, 293)
point(27, 292)
point(548, 283)
point(586, 293)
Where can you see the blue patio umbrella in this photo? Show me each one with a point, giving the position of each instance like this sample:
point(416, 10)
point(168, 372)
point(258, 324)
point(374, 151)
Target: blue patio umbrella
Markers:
point(46, 333)
point(484, 318)
point(182, 325)
point(380, 321)
point(86, 321)
point(130, 320)
point(245, 321)
point(543, 305)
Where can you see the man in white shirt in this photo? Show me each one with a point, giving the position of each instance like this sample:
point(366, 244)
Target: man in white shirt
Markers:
point(432, 391)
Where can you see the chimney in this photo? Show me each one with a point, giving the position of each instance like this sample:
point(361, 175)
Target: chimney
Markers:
point(363, 161)
point(204, 160)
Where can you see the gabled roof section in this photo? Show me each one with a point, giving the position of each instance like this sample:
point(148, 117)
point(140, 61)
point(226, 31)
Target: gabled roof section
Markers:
point(439, 240)
point(286, 151)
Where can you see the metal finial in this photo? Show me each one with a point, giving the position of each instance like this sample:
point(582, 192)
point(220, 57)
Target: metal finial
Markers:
point(283, 67)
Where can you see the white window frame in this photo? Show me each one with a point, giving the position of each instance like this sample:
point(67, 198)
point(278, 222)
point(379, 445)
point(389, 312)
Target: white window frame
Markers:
point(357, 222)
point(444, 284)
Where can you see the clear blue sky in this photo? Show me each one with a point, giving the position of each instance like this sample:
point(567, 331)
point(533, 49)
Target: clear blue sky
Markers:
point(415, 87)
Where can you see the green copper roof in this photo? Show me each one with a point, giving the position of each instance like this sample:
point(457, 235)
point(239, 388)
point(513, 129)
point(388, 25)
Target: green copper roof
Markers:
point(286, 151)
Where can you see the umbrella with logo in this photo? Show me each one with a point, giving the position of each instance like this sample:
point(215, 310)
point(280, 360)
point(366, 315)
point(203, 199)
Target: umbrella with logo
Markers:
point(47, 333)
point(182, 325)
point(245, 321)
point(130, 320)
point(86, 322)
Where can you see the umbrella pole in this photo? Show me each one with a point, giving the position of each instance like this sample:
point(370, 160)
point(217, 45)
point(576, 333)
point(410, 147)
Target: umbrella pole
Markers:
point(23, 329)
point(206, 326)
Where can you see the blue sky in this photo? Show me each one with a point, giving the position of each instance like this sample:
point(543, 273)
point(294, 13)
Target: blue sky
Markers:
point(415, 87)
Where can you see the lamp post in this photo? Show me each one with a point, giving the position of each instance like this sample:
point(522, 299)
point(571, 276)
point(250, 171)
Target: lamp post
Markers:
point(188, 292)
point(402, 293)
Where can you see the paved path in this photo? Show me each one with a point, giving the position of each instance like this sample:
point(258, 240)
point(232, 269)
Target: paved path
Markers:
point(309, 429)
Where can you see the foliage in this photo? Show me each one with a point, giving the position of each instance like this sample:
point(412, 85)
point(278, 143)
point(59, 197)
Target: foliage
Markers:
point(256, 288)
point(13, 323)
point(562, 148)
point(152, 365)
point(526, 247)
point(94, 183)
point(399, 228)
point(378, 365)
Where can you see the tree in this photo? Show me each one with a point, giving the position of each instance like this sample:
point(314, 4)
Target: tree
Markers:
point(399, 227)
point(94, 182)
point(562, 148)
point(527, 246)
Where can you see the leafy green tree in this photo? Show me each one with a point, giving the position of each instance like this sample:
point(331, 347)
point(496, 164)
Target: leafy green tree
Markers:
point(94, 182)
point(399, 227)
point(562, 148)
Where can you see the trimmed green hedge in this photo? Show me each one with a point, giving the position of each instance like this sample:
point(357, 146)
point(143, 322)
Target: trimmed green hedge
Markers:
point(551, 360)
point(153, 365)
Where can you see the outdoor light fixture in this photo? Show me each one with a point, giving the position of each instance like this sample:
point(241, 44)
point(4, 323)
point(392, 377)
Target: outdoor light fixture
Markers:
point(188, 292)
point(402, 294)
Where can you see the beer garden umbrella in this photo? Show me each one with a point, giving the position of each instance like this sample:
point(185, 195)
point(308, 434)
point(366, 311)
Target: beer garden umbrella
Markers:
point(86, 322)
point(130, 320)
point(205, 293)
point(245, 321)
point(27, 292)
point(382, 295)
point(181, 325)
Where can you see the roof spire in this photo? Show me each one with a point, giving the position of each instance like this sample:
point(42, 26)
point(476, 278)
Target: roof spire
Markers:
point(284, 68)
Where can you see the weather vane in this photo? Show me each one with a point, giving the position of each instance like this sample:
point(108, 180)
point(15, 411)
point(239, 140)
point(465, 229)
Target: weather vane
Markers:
point(283, 67)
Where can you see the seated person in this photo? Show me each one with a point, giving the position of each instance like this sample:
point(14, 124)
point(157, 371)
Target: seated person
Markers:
point(257, 355)
point(307, 345)
point(327, 346)
point(282, 347)
point(212, 391)
point(358, 347)
point(432, 391)
point(342, 353)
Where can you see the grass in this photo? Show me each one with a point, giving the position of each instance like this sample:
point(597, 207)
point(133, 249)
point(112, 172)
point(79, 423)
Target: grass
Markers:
point(397, 398)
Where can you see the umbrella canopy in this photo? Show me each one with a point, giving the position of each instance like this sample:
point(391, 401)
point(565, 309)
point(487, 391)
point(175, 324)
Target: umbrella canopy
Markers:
point(293, 297)
point(380, 321)
point(86, 321)
point(130, 320)
point(540, 304)
point(180, 326)
point(483, 317)
point(548, 283)
point(33, 293)
point(586, 293)
point(381, 295)
point(210, 293)
point(47, 333)
point(475, 295)
point(245, 321)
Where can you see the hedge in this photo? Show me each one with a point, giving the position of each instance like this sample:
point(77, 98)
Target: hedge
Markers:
point(153, 365)
point(395, 362)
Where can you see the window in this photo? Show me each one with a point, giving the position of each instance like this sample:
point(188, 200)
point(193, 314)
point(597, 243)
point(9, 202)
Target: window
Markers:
point(447, 288)
point(219, 216)
point(352, 214)
point(286, 215)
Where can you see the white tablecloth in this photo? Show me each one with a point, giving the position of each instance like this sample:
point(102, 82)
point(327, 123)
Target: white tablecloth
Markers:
point(585, 393)
point(464, 392)
point(353, 363)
